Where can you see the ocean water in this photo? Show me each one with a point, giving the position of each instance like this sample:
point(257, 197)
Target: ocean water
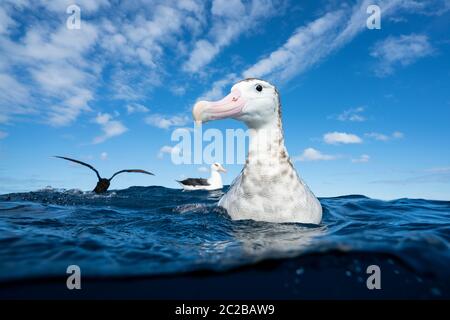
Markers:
point(144, 231)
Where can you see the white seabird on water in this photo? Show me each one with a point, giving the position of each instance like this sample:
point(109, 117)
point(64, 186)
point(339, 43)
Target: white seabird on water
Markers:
point(268, 188)
point(213, 183)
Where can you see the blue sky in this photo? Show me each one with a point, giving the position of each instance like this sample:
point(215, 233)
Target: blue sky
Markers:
point(364, 111)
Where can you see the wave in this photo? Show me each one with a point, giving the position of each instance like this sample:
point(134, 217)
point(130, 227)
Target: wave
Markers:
point(143, 231)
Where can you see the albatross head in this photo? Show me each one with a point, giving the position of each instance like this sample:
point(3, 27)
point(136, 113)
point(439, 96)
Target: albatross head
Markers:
point(217, 167)
point(253, 101)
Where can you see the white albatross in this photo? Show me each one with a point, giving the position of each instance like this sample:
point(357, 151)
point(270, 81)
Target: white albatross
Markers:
point(268, 187)
point(213, 183)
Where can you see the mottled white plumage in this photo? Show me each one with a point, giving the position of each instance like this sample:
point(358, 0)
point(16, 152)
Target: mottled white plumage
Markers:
point(268, 188)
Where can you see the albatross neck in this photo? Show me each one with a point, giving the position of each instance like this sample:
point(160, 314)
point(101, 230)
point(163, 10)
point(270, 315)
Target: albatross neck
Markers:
point(216, 178)
point(267, 142)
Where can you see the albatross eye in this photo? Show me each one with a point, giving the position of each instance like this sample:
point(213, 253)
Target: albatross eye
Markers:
point(259, 88)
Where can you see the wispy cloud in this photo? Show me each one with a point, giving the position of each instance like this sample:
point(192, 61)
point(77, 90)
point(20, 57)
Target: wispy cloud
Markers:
point(110, 127)
point(354, 115)
point(398, 135)
point(3, 134)
point(13, 93)
point(228, 24)
point(55, 72)
point(136, 108)
point(218, 86)
point(178, 90)
point(90, 6)
point(58, 73)
point(166, 122)
point(428, 8)
point(361, 159)
point(312, 43)
point(443, 170)
point(341, 138)
point(168, 150)
point(5, 21)
point(307, 46)
point(311, 154)
point(399, 52)
point(384, 137)
point(104, 156)
point(144, 38)
point(433, 175)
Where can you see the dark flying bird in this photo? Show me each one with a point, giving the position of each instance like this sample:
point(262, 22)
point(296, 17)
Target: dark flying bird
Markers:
point(103, 184)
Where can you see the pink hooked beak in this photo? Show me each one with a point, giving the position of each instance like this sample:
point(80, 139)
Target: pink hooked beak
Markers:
point(229, 107)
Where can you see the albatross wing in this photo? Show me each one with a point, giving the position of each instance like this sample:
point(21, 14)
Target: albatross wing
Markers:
point(194, 182)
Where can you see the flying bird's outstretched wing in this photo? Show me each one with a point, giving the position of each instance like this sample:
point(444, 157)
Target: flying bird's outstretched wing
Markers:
point(131, 170)
point(82, 163)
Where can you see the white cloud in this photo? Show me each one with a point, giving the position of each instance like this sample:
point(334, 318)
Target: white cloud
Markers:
point(203, 169)
point(432, 175)
point(428, 8)
point(144, 39)
point(341, 138)
point(228, 24)
point(398, 135)
point(104, 156)
point(165, 122)
point(439, 170)
point(127, 83)
point(61, 45)
point(217, 88)
point(168, 150)
point(3, 118)
point(13, 93)
point(354, 115)
point(111, 128)
point(398, 19)
point(3, 134)
point(5, 21)
point(178, 90)
point(400, 51)
point(311, 154)
point(55, 72)
point(362, 159)
point(142, 45)
point(136, 108)
point(384, 137)
point(203, 53)
point(61, 69)
point(85, 5)
point(378, 136)
point(304, 48)
point(310, 44)
point(227, 8)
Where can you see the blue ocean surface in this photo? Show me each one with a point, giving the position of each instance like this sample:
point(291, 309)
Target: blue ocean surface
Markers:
point(144, 231)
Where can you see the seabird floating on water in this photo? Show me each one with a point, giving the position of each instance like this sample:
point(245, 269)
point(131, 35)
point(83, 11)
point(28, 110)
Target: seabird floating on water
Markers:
point(103, 184)
point(268, 188)
point(213, 183)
